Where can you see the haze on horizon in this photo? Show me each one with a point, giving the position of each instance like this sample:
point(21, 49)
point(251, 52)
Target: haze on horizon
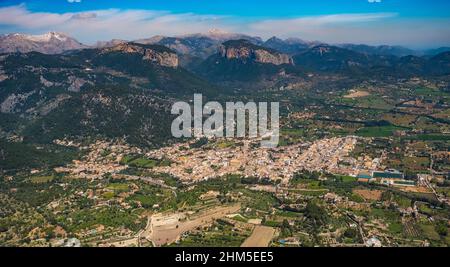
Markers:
point(416, 24)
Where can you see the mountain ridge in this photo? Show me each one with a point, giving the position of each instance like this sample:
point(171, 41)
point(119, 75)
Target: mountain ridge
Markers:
point(200, 45)
point(49, 43)
point(122, 91)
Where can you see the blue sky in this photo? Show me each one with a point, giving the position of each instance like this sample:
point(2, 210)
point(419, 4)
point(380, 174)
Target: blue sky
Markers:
point(413, 23)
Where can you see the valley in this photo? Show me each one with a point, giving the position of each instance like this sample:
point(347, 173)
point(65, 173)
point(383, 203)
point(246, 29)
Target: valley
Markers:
point(87, 157)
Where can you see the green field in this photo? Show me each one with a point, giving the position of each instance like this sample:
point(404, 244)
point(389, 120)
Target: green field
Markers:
point(378, 131)
point(118, 187)
point(347, 179)
point(371, 101)
point(425, 91)
point(41, 179)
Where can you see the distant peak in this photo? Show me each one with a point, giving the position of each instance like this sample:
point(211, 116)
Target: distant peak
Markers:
point(274, 38)
point(42, 37)
point(47, 43)
point(217, 32)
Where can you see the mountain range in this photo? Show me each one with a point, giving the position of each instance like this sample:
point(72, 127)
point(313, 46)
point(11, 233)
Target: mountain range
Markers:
point(49, 43)
point(241, 60)
point(193, 45)
point(122, 89)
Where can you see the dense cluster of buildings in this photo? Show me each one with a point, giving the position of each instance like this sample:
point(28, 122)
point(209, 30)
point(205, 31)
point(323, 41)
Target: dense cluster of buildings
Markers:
point(222, 157)
point(102, 158)
point(250, 160)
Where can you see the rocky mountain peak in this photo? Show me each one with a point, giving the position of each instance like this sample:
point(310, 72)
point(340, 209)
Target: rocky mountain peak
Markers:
point(246, 51)
point(110, 43)
point(274, 39)
point(156, 54)
point(47, 37)
point(217, 32)
point(322, 49)
point(48, 43)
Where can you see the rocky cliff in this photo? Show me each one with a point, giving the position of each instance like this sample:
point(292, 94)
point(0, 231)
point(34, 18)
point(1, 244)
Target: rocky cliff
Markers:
point(154, 54)
point(246, 51)
point(200, 45)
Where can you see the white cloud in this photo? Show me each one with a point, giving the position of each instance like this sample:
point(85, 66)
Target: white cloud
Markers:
point(89, 27)
point(315, 21)
point(318, 27)
point(374, 1)
point(74, 1)
point(375, 29)
point(84, 15)
point(110, 23)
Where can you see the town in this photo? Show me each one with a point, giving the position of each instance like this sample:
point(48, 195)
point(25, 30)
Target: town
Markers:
point(292, 175)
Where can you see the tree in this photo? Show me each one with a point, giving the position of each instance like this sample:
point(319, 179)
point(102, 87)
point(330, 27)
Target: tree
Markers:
point(351, 233)
point(441, 228)
point(316, 214)
point(286, 228)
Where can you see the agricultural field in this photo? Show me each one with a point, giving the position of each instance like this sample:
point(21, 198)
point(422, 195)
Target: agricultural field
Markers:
point(167, 228)
point(260, 237)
